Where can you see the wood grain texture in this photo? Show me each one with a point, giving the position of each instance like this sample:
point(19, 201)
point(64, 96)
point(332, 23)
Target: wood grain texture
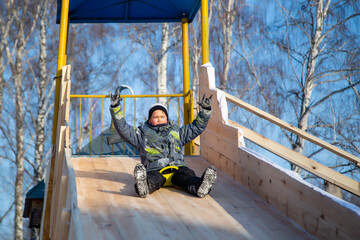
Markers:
point(110, 208)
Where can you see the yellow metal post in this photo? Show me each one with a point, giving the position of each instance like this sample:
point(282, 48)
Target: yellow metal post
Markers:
point(191, 116)
point(186, 81)
point(186, 77)
point(62, 57)
point(204, 31)
point(64, 25)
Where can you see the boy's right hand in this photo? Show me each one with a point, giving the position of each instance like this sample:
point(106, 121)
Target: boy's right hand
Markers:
point(205, 102)
point(115, 98)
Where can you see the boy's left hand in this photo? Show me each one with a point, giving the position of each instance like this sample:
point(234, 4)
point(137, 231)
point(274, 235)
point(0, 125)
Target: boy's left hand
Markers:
point(205, 102)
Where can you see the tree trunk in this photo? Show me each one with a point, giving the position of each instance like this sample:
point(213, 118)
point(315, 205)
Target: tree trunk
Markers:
point(195, 56)
point(17, 74)
point(40, 121)
point(162, 67)
point(227, 22)
point(4, 33)
point(2, 81)
point(308, 88)
point(19, 183)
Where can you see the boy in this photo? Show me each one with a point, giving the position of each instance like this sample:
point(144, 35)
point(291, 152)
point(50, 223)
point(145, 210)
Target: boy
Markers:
point(159, 143)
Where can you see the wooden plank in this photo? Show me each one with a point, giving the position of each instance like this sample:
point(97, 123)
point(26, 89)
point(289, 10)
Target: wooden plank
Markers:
point(114, 211)
point(220, 161)
point(298, 201)
point(308, 164)
point(63, 232)
point(75, 228)
point(220, 145)
point(46, 219)
point(146, 214)
point(67, 83)
point(207, 87)
point(293, 129)
point(61, 218)
point(275, 189)
point(59, 158)
point(230, 134)
point(246, 208)
point(109, 177)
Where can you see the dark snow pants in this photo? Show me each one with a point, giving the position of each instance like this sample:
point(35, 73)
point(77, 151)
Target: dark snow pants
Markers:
point(183, 177)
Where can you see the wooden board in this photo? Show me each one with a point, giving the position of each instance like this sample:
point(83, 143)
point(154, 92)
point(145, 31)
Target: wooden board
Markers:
point(300, 160)
point(110, 208)
point(289, 127)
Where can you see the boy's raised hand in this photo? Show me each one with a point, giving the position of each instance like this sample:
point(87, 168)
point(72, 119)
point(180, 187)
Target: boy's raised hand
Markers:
point(115, 98)
point(205, 102)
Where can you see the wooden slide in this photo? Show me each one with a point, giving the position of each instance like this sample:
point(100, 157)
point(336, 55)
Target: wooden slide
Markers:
point(110, 208)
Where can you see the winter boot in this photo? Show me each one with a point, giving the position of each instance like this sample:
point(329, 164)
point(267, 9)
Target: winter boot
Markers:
point(141, 186)
point(207, 180)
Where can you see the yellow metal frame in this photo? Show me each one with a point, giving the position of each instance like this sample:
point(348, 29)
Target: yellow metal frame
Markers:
point(188, 116)
point(188, 103)
point(205, 31)
point(62, 59)
point(128, 96)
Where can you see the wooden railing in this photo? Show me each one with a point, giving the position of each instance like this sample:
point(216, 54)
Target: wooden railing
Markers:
point(298, 159)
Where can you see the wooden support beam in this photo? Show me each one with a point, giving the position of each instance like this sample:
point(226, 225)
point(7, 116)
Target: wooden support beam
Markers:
point(300, 160)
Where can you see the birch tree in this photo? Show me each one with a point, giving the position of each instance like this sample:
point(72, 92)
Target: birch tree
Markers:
point(5, 25)
point(162, 66)
point(23, 28)
point(43, 99)
point(195, 49)
point(21, 17)
point(226, 12)
point(321, 47)
point(147, 36)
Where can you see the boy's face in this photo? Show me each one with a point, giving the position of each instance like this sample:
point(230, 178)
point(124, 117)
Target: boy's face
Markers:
point(158, 117)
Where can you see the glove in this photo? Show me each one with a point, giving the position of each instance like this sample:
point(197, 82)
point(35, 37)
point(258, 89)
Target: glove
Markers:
point(205, 103)
point(115, 104)
point(115, 99)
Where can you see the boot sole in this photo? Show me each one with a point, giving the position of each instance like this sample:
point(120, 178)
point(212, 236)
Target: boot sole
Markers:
point(140, 179)
point(209, 179)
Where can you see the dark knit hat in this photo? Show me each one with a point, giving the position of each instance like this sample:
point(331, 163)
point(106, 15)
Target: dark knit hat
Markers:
point(158, 106)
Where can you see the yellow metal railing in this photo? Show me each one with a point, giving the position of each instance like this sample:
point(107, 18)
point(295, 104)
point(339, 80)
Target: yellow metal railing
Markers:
point(189, 148)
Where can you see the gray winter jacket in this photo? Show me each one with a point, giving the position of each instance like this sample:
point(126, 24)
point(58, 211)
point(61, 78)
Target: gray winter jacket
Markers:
point(160, 146)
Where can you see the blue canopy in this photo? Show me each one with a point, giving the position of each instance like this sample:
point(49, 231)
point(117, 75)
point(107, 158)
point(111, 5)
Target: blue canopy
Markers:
point(129, 11)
